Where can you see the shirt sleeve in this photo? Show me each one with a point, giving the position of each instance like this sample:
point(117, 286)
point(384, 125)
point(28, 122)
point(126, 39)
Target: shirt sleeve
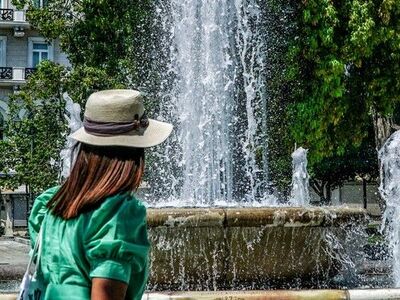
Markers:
point(38, 212)
point(116, 243)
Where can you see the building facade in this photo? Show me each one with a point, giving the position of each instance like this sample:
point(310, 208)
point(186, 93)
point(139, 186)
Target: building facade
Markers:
point(21, 50)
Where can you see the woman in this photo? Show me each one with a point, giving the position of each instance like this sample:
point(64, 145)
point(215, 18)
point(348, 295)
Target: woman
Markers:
point(95, 242)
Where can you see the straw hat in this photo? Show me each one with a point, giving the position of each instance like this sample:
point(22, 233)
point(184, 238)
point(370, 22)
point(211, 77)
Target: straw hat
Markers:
point(117, 118)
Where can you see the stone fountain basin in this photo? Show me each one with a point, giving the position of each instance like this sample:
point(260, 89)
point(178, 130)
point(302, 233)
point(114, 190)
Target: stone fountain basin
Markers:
point(219, 248)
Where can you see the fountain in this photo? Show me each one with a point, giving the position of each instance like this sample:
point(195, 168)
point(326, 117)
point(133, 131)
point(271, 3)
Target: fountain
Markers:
point(214, 220)
point(74, 123)
point(300, 195)
point(217, 100)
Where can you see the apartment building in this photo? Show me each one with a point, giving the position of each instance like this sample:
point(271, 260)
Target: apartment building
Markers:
point(21, 50)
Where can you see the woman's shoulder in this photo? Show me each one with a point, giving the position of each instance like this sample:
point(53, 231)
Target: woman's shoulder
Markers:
point(39, 205)
point(47, 194)
point(124, 202)
point(123, 216)
point(39, 210)
point(125, 208)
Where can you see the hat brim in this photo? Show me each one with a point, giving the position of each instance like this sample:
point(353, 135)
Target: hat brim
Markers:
point(156, 133)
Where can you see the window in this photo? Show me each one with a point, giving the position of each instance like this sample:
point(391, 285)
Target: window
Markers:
point(39, 50)
point(3, 54)
point(1, 127)
point(39, 3)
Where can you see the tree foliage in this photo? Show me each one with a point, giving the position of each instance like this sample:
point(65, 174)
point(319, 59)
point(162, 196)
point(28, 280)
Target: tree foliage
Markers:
point(36, 127)
point(34, 131)
point(344, 72)
point(282, 28)
point(347, 55)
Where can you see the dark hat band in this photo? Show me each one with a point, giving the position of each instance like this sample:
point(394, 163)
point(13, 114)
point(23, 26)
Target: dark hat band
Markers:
point(114, 128)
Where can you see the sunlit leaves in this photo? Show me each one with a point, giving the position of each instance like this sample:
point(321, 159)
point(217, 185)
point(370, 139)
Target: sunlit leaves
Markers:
point(348, 57)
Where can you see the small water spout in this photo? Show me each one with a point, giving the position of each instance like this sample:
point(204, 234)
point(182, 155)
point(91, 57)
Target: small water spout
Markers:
point(73, 117)
point(389, 156)
point(300, 195)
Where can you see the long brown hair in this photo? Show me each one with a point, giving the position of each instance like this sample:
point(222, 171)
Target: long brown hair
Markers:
point(98, 172)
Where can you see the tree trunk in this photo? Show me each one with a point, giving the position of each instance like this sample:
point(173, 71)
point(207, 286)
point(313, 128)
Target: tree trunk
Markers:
point(323, 190)
point(365, 200)
point(318, 189)
point(383, 130)
point(328, 193)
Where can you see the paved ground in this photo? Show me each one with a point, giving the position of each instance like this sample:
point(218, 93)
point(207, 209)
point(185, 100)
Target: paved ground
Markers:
point(13, 259)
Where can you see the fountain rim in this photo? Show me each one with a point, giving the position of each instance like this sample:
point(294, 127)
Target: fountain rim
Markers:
point(256, 217)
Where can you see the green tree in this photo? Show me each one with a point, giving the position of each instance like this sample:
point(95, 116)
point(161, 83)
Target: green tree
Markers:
point(36, 127)
point(347, 55)
point(34, 131)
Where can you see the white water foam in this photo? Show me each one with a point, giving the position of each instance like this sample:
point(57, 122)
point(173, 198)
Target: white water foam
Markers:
point(73, 117)
point(389, 189)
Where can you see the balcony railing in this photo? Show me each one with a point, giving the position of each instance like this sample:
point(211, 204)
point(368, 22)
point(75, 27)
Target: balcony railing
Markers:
point(15, 75)
point(11, 15)
point(6, 14)
point(6, 73)
point(29, 72)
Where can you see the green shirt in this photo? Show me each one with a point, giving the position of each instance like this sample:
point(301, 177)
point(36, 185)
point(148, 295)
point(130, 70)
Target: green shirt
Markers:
point(108, 242)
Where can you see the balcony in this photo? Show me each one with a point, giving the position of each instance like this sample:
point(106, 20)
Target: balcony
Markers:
point(14, 76)
point(10, 18)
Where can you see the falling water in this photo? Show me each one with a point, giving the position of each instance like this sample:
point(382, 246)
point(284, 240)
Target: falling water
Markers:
point(73, 117)
point(300, 195)
point(389, 189)
point(214, 92)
